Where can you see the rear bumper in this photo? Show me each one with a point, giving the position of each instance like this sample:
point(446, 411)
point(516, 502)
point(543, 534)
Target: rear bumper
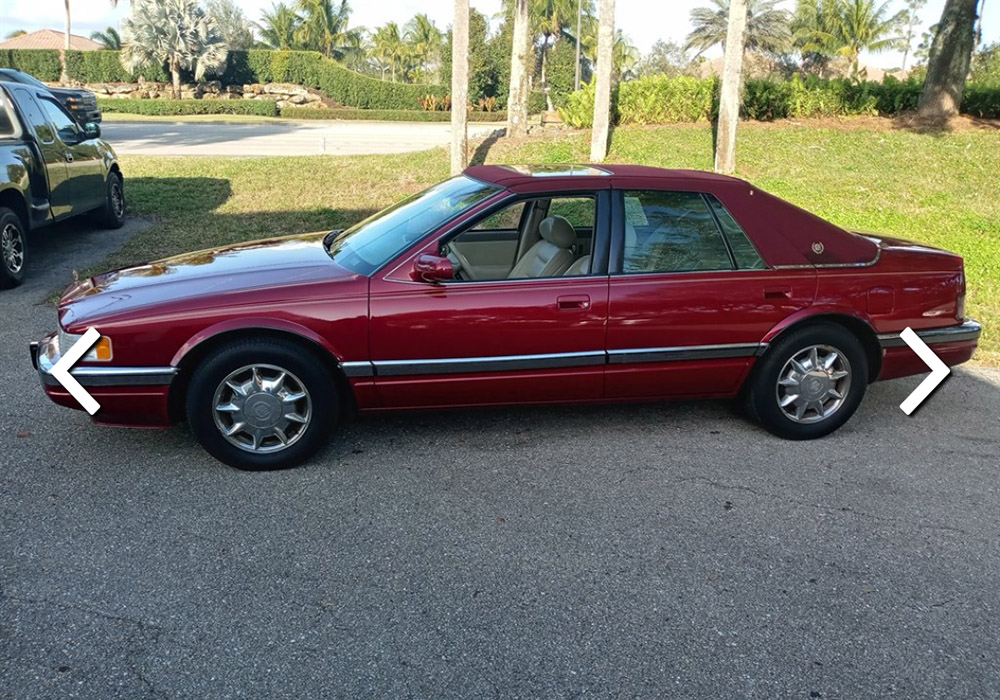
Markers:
point(128, 396)
point(953, 344)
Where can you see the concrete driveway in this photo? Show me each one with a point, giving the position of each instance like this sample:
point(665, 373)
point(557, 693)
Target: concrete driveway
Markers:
point(290, 138)
point(649, 551)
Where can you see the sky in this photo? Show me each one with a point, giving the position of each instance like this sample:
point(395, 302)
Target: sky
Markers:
point(644, 21)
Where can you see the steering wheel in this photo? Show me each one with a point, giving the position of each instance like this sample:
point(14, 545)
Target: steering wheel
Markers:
point(460, 263)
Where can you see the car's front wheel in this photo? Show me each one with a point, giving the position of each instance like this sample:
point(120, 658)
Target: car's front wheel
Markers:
point(13, 249)
point(261, 404)
point(112, 214)
point(809, 383)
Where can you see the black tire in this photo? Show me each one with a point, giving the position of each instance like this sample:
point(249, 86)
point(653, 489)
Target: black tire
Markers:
point(303, 371)
point(13, 249)
point(764, 396)
point(112, 214)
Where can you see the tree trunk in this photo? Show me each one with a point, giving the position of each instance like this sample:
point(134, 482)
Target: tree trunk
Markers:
point(545, 72)
point(729, 98)
point(460, 87)
point(64, 54)
point(517, 98)
point(602, 99)
point(948, 64)
point(579, 29)
point(175, 75)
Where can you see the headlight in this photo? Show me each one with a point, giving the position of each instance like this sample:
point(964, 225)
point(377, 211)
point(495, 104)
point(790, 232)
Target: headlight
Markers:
point(100, 352)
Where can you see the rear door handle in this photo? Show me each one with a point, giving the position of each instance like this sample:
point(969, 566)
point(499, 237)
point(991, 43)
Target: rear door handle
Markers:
point(574, 301)
point(777, 293)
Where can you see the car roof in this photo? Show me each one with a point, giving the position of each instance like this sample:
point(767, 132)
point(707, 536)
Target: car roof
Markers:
point(512, 175)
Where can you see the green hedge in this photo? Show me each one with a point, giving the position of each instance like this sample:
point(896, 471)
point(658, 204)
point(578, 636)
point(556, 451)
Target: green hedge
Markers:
point(388, 115)
point(312, 69)
point(260, 108)
point(85, 66)
point(43, 65)
point(658, 99)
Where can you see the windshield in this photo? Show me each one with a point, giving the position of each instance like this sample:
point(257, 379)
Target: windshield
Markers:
point(370, 244)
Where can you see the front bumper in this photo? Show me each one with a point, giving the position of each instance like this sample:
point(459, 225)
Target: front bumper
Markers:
point(129, 396)
point(953, 344)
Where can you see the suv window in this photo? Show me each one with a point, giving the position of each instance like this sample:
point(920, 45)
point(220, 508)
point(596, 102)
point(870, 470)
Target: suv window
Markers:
point(671, 232)
point(6, 120)
point(33, 115)
point(65, 125)
point(747, 257)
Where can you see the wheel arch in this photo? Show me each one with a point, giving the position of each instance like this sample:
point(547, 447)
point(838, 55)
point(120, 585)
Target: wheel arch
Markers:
point(193, 352)
point(856, 324)
point(14, 200)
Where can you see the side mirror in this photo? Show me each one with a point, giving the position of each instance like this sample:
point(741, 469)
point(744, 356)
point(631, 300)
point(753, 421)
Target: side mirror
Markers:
point(432, 268)
point(91, 130)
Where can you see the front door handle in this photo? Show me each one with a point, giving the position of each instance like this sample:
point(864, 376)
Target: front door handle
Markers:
point(69, 157)
point(777, 293)
point(574, 301)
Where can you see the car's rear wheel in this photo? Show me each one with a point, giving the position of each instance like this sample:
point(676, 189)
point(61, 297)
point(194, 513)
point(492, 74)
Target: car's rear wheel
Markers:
point(13, 249)
point(809, 383)
point(112, 214)
point(261, 404)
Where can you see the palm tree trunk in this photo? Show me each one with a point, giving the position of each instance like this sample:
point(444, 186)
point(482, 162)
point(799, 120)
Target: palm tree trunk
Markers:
point(599, 136)
point(517, 99)
point(175, 75)
point(545, 72)
point(460, 87)
point(948, 65)
point(64, 54)
point(729, 101)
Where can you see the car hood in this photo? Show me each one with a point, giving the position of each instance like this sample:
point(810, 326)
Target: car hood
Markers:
point(274, 266)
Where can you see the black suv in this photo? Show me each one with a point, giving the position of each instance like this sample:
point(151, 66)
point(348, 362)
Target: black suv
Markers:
point(82, 104)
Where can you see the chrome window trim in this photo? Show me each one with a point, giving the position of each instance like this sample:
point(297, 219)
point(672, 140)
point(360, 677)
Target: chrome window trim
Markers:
point(831, 266)
point(968, 331)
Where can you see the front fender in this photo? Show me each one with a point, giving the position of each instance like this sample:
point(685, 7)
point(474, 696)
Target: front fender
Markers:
point(252, 324)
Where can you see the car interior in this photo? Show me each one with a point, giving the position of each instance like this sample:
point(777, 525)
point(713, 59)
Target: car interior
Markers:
point(543, 237)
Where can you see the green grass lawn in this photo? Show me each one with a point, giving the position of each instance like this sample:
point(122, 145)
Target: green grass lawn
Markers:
point(937, 189)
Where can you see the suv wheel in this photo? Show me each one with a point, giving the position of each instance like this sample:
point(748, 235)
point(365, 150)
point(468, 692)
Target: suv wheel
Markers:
point(13, 249)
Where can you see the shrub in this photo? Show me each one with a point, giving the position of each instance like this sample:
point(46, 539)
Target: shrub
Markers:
point(536, 102)
point(765, 100)
point(579, 109)
point(657, 99)
point(260, 108)
point(389, 115)
point(43, 65)
point(980, 101)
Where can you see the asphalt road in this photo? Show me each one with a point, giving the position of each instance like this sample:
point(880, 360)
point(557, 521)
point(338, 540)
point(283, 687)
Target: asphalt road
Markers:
point(289, 138)
point(651, 551)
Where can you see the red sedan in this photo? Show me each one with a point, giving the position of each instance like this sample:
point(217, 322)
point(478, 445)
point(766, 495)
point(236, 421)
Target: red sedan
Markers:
point(514, 285)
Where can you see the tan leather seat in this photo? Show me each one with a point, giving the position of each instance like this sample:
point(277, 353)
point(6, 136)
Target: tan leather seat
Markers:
point(552, 255)
point(580, 267)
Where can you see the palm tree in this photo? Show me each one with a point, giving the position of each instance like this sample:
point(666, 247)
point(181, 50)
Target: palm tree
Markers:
point(176, 32)
point(521, 54)
point(324, 28)
point(948, 63)
point(389, 48)
point(109, 38)
point(767, 27)
point(279, 26)
point(551, 19)
point(625, 55)
point(601, 132)
point(425, 41)
point(864, 25)
point(729, 92)
point(460, 87)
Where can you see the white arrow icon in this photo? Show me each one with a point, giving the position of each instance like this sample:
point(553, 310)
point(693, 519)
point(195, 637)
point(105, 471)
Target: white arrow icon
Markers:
point(60, 370)
point(939, 371)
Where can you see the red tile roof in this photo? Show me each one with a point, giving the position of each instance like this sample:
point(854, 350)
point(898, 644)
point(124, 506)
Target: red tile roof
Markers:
point(50, 39)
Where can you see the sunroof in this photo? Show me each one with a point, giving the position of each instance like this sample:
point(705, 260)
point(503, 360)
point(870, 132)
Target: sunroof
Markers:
point(554, 170)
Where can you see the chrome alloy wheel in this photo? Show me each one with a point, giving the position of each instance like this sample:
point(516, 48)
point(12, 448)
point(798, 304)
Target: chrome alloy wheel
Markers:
point(12, 247)
point(262, 408)
point(117, 198)
point(813, 384)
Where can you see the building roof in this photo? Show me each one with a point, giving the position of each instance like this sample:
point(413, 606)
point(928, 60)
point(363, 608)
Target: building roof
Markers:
point(50, 39)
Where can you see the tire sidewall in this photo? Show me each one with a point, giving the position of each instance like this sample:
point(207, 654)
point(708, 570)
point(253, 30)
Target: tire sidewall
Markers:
point(7, 277)
point(300, 362)
point(111, 218)
point(762, 398)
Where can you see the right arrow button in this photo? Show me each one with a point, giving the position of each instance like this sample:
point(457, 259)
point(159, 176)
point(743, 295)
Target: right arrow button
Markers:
point(939, 370)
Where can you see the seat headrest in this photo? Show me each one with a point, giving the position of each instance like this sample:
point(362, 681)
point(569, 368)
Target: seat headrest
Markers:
point(558, 231)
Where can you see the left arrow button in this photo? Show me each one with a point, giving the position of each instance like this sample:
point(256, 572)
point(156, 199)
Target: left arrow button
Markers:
point(60, 370)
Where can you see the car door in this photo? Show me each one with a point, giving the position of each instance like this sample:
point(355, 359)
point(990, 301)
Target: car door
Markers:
point(690, 298)
point(494, 340)
point(52, 151)
point(83, 159)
